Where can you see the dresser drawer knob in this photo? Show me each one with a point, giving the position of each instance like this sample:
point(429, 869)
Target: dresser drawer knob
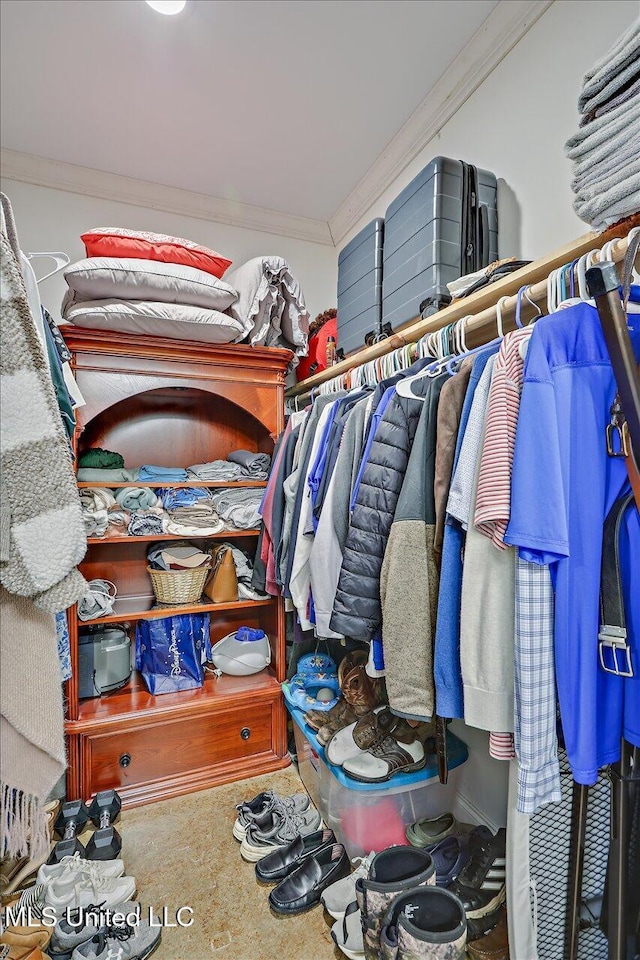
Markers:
point(245, 733)
point(125, 760)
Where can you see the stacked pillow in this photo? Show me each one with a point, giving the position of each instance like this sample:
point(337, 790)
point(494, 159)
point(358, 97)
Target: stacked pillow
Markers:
point(152, 284)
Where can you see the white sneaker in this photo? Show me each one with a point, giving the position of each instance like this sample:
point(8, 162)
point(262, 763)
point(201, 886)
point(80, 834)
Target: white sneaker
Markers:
point(384, 759)
point(337, 897)
point(347, 933)
point(77, 865)
point(81, 891)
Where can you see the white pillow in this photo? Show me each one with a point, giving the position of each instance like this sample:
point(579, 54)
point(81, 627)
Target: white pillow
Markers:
point(171, 320)
point(106, 278)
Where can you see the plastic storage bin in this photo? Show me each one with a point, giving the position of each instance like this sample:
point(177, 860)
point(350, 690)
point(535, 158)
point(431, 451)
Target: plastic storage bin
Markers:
point(423, 237)
point(360, 287)
point(364, 816)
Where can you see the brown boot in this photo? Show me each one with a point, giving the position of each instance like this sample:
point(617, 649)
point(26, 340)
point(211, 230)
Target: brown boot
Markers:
point(319, 718)
point(335, 720)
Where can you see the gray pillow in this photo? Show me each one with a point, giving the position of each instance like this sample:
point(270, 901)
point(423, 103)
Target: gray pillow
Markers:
point(171, 320)
point(108, 278)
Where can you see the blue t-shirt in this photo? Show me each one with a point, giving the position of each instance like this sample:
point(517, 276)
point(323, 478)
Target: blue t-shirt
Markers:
point(563, 486)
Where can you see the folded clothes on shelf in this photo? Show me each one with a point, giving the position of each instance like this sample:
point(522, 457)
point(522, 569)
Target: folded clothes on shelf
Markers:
point(150, 473)
point(95, 475)
point(239, 465)
point(174, 497)
point(176, 556)
point(239, 507)
point(200, 520)
point(98, 459)
point(136, 498)
point(96, 505)
point(148, 523)
point(255, 465)
point(217, 470)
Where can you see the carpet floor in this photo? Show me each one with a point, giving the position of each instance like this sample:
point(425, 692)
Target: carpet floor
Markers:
point(182, 853)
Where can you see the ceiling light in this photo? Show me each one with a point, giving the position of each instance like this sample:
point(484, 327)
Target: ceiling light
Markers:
point(168, 7)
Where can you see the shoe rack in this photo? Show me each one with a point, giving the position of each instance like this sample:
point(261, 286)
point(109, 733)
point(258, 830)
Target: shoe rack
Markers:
point(173, 402)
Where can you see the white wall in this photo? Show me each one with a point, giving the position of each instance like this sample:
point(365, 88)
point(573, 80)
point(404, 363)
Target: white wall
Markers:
point(54, 219)
point(517, 121)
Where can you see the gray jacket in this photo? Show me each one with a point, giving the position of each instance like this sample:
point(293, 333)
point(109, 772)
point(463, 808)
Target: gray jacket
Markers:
point(409, 577)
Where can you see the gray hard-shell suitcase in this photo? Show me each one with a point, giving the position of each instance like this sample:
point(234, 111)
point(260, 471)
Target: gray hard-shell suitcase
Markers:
point(360, 287)
point(443, 225)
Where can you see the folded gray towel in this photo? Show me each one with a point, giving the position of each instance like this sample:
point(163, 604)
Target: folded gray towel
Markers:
point(615, 64)
point(619, 146)
point(252, 463)
point(604, 166)
point(216, 470)
point(91, 475)
point(629, 91)
point(616, 166)
point(606, 208)
point(601, 130)
point(590, 190)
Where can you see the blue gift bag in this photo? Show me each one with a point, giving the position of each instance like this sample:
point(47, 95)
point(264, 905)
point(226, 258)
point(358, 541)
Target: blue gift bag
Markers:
point(171, 652)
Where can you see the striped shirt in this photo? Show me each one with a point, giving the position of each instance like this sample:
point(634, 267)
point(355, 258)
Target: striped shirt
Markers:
point(493, 500)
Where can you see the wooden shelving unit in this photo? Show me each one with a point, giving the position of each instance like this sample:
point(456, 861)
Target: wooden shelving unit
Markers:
point(170, 402)
point(223, 535)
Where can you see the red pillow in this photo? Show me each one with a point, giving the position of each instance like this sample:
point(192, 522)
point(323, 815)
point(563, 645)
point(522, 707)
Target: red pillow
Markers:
point(140, 245)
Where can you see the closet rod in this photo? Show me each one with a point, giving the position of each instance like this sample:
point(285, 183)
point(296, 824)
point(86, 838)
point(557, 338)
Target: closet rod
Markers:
point(482, 305)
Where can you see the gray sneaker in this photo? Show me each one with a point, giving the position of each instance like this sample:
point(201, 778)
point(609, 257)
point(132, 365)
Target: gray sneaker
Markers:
point(281, 830)
point(337, 897)
point(120, 943)
point(80, 926)
point(257, 811)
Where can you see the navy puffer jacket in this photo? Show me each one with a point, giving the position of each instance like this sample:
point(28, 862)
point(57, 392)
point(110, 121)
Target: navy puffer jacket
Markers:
point(356, 610)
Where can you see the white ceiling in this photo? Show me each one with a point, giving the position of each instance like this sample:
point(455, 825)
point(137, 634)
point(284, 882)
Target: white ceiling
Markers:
point(282, 104)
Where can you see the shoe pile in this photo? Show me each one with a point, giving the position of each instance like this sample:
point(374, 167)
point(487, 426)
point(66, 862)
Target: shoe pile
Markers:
point(470, 863)
point(359, 696)
point(433, 900)
point(379, 745)
point(285, 839)
point(77, 904)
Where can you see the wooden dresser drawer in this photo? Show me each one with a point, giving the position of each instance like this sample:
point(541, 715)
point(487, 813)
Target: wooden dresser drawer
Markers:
point(183, 748)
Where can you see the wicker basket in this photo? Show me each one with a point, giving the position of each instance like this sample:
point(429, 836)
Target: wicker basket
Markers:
point(179, 586)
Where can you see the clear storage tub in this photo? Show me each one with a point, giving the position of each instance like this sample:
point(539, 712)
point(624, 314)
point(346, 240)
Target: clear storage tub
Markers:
point(367, 816)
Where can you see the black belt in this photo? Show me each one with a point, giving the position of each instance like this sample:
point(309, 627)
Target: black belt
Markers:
point(613, 649)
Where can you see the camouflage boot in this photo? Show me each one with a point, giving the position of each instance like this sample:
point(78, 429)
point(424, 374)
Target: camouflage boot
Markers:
point(427, 923)
point(392, 872)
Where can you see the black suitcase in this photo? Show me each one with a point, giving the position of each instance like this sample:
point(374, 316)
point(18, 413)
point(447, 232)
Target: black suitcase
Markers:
point(442, 226)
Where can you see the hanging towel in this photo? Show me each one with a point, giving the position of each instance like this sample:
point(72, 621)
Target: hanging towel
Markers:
point(42, 534)
point(32, 752)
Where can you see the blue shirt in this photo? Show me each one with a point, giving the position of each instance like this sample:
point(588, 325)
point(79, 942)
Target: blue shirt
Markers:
point(447, 673)
point(563, 486)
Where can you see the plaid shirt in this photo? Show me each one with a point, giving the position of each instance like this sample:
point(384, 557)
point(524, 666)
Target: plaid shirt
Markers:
point(535, 689)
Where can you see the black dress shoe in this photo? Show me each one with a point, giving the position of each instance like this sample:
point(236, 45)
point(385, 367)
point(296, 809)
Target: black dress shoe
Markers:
point(283, 861)
point(302, 889)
